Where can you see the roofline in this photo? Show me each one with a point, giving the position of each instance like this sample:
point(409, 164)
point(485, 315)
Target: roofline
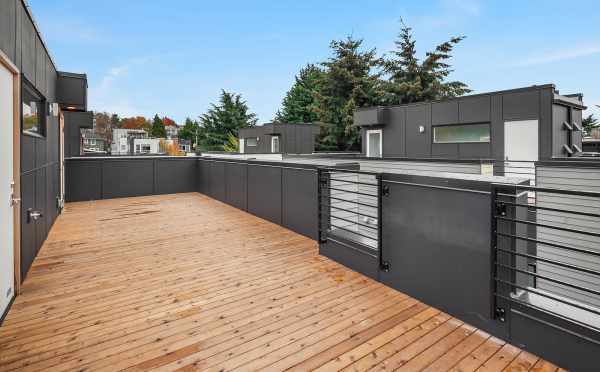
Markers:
point(505, 91)
point(37, 30)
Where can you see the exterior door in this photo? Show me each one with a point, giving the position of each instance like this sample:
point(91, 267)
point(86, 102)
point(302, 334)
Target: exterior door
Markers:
point(242, 145)
point(521, 148)
point(275, 144)
point(8, 186)
point(374, 143)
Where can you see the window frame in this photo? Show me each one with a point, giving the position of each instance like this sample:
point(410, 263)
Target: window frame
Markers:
point(433, 139)
point(28, 88)
point(248, 144)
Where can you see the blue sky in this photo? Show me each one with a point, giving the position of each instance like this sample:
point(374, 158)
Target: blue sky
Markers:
point(173, 58)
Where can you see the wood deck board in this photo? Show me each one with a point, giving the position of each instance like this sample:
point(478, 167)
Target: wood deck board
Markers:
point(183, 282)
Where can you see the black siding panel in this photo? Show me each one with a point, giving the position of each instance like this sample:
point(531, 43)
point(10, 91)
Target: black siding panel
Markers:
point(8, 27)
point(83, 180)
point(264, 192)
point(521, 105)
point(393, 134)
point(236, 176)
point(475, 109)
point(418, 145)
point(27, 153)
point(299, 201)
point(28, 236)
point(40, 206)
point(216, 183)
point(444, 113)
point(175, 176)
point(28, 52)
point(124, 178)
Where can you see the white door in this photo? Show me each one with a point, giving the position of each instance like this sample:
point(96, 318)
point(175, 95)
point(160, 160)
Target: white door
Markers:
point(7, 274)
point(374, 143)
point(242, 145)
point(521, 148)
point(275, 144)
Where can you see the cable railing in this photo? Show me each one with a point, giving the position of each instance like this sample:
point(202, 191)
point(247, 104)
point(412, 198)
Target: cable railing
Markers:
point(349, 208)
point(546, 255)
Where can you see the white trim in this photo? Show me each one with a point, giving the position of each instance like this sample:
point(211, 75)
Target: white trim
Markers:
point(242, 145)
point(380, 132)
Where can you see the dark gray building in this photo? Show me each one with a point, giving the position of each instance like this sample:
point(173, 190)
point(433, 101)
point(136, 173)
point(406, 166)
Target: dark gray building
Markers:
point(532, 123)
point(44, 101)
point(278, 138)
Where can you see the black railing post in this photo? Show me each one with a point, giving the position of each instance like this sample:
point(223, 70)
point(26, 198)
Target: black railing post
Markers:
point(383, 264)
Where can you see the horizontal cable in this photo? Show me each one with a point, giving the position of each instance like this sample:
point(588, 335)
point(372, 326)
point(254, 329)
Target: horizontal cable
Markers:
point(551, 244)
point(354, 182)
point(584, 289)
point(349, 211)
point(354, 202)
point(553, 262)
point(587, 214)
point(558, 299)
point(354, 232)
point(352, 192)
point(353, 222)
point(583, 232)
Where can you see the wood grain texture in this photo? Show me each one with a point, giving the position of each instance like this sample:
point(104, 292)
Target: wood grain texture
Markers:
point(184, 282)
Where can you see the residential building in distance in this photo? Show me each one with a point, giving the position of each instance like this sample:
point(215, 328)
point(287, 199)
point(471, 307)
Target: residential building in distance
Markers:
point(278, 138)
point(144, 146)
point(122, 139)
point(92, 143)
point(172, 130)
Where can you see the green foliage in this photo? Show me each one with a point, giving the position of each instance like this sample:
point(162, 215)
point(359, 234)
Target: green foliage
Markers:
point(299, 104)
point(232, 144)
point(189, 130)
point(224, 119)
point(158, 128)
point(589, 123)
point(410, 80)
point(350, 80)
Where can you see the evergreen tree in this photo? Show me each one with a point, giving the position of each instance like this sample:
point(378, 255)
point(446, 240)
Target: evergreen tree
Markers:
point(115, 121)
point(189, 130)
point(158, 129)
point(299, 104)
point(231, 114)
point(413, 81)
point(589, 123)
point(350, 80)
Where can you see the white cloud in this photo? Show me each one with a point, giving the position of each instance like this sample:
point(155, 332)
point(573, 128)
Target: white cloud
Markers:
point(560, 55)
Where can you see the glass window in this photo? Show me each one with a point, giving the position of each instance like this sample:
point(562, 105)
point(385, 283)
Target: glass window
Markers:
point(471, 133)
point(252, 141)
point(33, 111)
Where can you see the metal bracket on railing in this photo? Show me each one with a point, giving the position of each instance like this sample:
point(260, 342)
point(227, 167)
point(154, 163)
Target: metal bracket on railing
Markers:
point(385, 190)
point(500, 314)
point(385, 266)
point(500, 209)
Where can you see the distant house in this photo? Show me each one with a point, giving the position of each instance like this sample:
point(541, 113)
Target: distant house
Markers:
point(185, 145)
point(278, 138)
point(122, 140)
point(145, 146)
point(91, 143)
point(172, 130)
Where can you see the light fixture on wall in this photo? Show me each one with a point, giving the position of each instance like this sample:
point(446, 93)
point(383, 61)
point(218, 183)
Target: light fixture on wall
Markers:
point(53, 109)
point(421, 129)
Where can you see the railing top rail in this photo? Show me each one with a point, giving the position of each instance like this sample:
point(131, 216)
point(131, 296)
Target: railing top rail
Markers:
point(594, 194)
point(346, 170)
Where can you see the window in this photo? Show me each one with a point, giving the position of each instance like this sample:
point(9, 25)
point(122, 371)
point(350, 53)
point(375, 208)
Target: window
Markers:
point(275, 144)
point(472, 133)
point(252, 141)
point(34, 116)
point(145, 149)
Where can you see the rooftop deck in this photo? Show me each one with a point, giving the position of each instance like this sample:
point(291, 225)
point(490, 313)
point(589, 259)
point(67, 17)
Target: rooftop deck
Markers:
point(185, 282)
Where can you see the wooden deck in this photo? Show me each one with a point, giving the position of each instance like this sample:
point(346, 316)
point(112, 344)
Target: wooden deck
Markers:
point(185, 282)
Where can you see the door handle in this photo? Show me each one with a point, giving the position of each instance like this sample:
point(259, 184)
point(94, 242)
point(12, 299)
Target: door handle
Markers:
point(33, 215)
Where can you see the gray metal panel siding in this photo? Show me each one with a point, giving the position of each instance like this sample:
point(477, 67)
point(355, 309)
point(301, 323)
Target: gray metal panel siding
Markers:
point(418, 144)
point(560, 135)
point(50, 80)
point(474, 109)
point(444, 112)
point(72, 91)
point(264, 192)
point(577, 136)
point(545, 123)
point(521, 105)
point(299, 201)
point(18, 33)
point(236, 182)
point(40, 205)
point(27, 153)
point(40, 152)
point(8, 17)
point(123, 178)
point(497, 130)
point(28, 52)
point(175, 175)
point(394, 133)
point(28, 237)
point(40, 67)
point(444, 150)
point(474, 151)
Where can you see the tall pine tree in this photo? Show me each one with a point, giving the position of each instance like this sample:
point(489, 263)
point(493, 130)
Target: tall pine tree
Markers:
point(299, 104)
point(158, 128)
point(350, 80)
point(410, 80)
point(224, 119)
